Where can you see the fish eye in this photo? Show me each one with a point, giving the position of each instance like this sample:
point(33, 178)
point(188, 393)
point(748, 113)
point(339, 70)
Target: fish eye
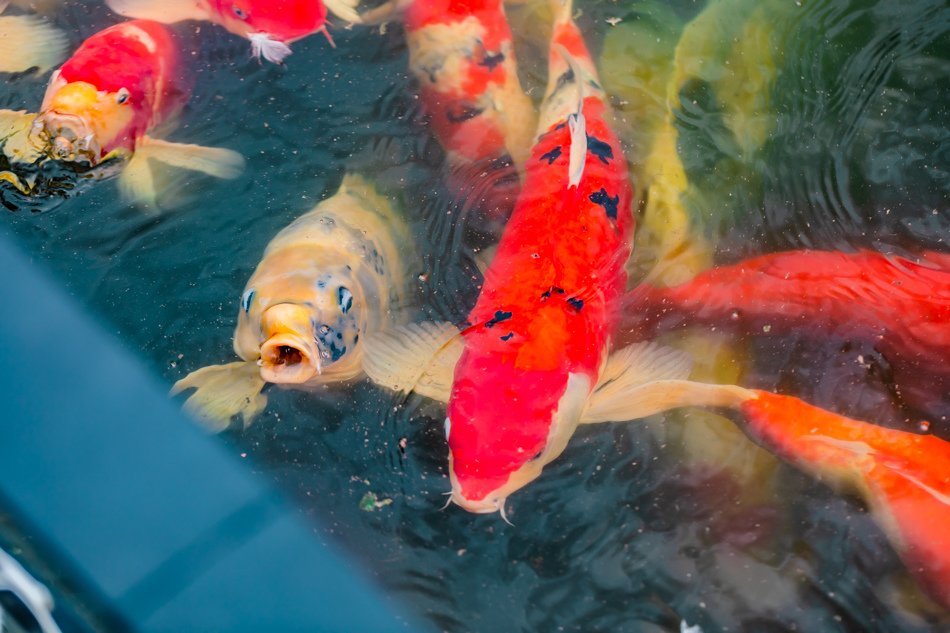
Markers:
point(238, 11)
point(122, 96)
point(345, 297)
point(538, 456)
point(246, 299)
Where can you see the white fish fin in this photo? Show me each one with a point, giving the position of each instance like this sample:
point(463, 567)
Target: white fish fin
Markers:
point(344, 9)
point(223, 391)
point(264, 44)
point(628, 370)
point(165, 11)
point(214, 161)
point(137, 183)
point(419, 357)
point(27, 41)
point(634, 393)
point(15, 121)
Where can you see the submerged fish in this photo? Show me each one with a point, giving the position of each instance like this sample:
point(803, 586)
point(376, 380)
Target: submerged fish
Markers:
point(27, 41)
point(904, 478)
point(325, 280)
point(533, 363)
point(462, 54)
point(117, 88)
point(270, 25)
point(898, 305)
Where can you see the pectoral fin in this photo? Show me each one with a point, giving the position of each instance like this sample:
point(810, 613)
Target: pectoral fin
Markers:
point(420, 357)
point(214, 161)
point(15, 138)
point(27, 41)
point(137, 183)
point(645, 378)
point(165, 11)
point(223, 391)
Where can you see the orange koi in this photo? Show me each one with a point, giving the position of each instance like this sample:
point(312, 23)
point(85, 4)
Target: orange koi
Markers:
point(904, 478)
point(901, 306)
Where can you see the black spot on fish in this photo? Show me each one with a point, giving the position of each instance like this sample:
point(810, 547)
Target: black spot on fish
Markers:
point(551, 156)
point(600, 149)
point(609, 204)
point(490, 61)
point(594, 84)
point(578, 304)
point(507, 336)
point(563, 80)
point(560, 125)
point(499, 317)
point(462, 113)
point(554, 289)
point(331, 341)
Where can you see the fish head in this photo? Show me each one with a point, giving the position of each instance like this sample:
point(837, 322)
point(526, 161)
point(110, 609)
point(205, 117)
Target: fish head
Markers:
point(300, 321)
point(271, 25)
point(79, 122)
point(504, 425)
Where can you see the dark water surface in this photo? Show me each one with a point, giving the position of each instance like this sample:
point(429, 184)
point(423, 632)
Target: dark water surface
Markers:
point(631, 529)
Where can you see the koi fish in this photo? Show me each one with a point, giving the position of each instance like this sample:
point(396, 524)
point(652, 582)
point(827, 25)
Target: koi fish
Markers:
point(27, 41)
point(904, 478)
point(462, 54)
point(120, 85)
point(898, 305)
point(533, 363)
point(325, 280)
point(270, 25)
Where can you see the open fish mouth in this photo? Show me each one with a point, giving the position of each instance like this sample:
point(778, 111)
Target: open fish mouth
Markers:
point(289, 358)
point(67, 137)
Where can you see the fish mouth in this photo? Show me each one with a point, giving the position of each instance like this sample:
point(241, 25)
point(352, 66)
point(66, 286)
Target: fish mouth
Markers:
point(68, 137)
point(289, 358)
point(289, 353)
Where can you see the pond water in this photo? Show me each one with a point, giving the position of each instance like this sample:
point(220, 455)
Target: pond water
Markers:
point(834, 134)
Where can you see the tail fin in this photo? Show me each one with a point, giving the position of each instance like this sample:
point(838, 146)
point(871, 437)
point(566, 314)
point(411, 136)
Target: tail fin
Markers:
point(27, 41)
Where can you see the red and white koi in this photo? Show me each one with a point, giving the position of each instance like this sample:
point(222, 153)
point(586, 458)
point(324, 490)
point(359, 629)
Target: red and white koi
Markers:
point(120, 85)
point(532, 363)
point(462, 54)
point(270, 25)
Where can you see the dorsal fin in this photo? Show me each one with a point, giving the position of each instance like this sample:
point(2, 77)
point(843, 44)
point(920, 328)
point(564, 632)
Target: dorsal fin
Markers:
point(576, 122)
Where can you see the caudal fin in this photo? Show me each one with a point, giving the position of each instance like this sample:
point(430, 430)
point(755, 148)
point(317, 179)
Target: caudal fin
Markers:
point(26, 41)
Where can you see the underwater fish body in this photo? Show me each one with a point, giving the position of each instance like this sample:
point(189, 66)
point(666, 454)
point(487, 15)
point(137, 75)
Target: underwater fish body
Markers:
point(324, 281)
point(120, 85)
point(270, 25)
point(904, 478)
point(901, 306)
point(462, 54)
